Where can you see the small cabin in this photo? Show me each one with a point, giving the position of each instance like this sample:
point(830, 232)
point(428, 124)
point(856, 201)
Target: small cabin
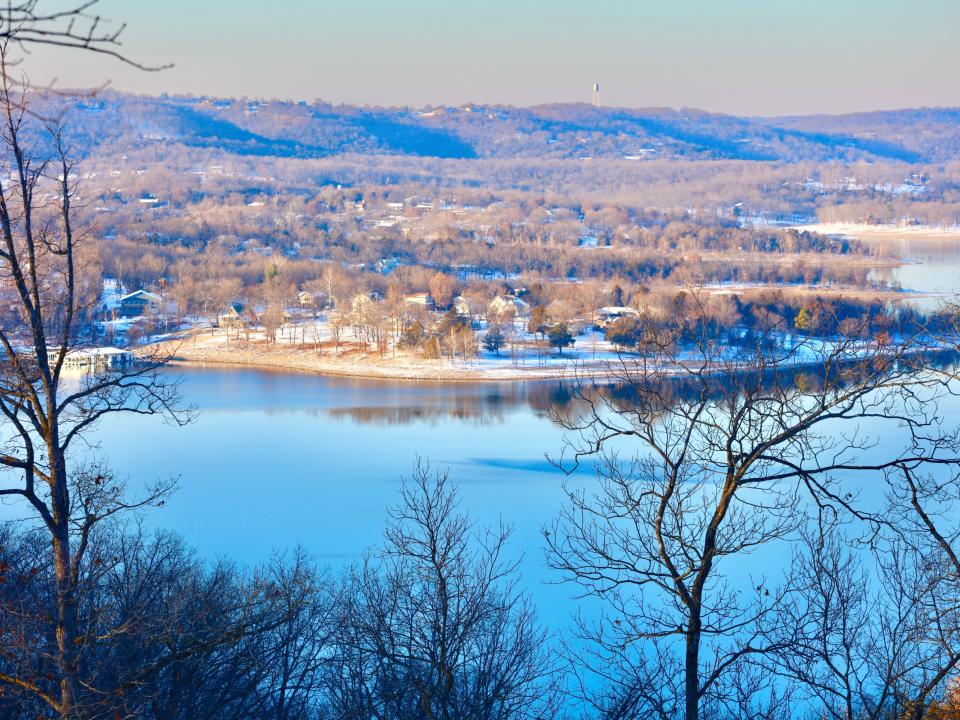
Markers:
point(233, 316)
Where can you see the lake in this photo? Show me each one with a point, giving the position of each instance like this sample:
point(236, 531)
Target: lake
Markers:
point(931, 258)
point(275, 461)
point(278, 460)
point(933, 263)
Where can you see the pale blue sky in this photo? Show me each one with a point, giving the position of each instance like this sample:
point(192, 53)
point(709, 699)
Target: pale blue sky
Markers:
point(742, 56)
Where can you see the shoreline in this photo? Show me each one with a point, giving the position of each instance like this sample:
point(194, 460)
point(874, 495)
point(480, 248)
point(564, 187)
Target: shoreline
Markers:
point(215, 347)
point(421, 371)
point(575, 369)
point(446, 376)
point(866, 233)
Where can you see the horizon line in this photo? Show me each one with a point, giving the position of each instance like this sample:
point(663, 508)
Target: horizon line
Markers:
point(430, 106)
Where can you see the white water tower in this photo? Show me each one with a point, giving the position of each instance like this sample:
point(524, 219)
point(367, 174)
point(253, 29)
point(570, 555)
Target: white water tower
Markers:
point(596, 94)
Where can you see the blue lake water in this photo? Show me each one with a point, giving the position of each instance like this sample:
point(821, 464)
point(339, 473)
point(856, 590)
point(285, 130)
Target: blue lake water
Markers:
point(275, 460)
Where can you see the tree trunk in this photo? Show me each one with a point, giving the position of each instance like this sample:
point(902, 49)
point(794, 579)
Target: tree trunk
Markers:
point(918, 709)
point(65, 619)
point(691, 669)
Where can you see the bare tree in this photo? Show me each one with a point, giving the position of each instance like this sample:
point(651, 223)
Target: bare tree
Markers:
point(873, 630)
point(925, 533)
point(72, 25)
point(726, 447)
point(168, 635)
point(337, 323)
point(45, 416)
point(442, 287)
point(436, 627)
point(273, 319)
point(846, 634)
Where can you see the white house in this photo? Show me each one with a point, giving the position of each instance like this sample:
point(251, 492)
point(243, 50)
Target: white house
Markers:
point(502, 306)
point(420, 299)
point(461, 306)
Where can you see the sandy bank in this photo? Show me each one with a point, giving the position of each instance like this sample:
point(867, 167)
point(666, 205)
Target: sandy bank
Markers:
point(367, 365)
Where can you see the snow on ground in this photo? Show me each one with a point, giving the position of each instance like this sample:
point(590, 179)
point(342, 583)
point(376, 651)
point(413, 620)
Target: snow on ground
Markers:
point(308, 346)
point(296, 347)
point(863, 229)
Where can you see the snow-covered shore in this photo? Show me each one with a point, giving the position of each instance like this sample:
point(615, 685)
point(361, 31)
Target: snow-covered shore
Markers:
point(866, 231)
point(591, 355)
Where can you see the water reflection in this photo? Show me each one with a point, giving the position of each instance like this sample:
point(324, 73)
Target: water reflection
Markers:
point(480, 415)
point(933, 264)
point(373, 402)
point(275, 461)
point(432, 405)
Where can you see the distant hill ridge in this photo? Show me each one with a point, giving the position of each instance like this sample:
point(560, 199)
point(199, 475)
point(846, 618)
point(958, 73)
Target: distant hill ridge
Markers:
point(115, 121)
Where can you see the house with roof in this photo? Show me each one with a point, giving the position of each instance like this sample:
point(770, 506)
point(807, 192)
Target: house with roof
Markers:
point(361, 303)
point(139, 303)
point(308, 300)
point(424, 300)
point(232, 317)
point(504, 306)
point(461, 306)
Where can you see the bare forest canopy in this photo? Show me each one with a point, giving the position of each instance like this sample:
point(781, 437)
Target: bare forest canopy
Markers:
point(874, 167)
point(183, 193)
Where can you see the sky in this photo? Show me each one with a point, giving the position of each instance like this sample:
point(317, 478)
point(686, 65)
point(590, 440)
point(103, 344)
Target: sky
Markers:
point(748, 57)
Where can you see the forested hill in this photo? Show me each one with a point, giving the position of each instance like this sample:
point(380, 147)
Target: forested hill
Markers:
point(118, 122)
